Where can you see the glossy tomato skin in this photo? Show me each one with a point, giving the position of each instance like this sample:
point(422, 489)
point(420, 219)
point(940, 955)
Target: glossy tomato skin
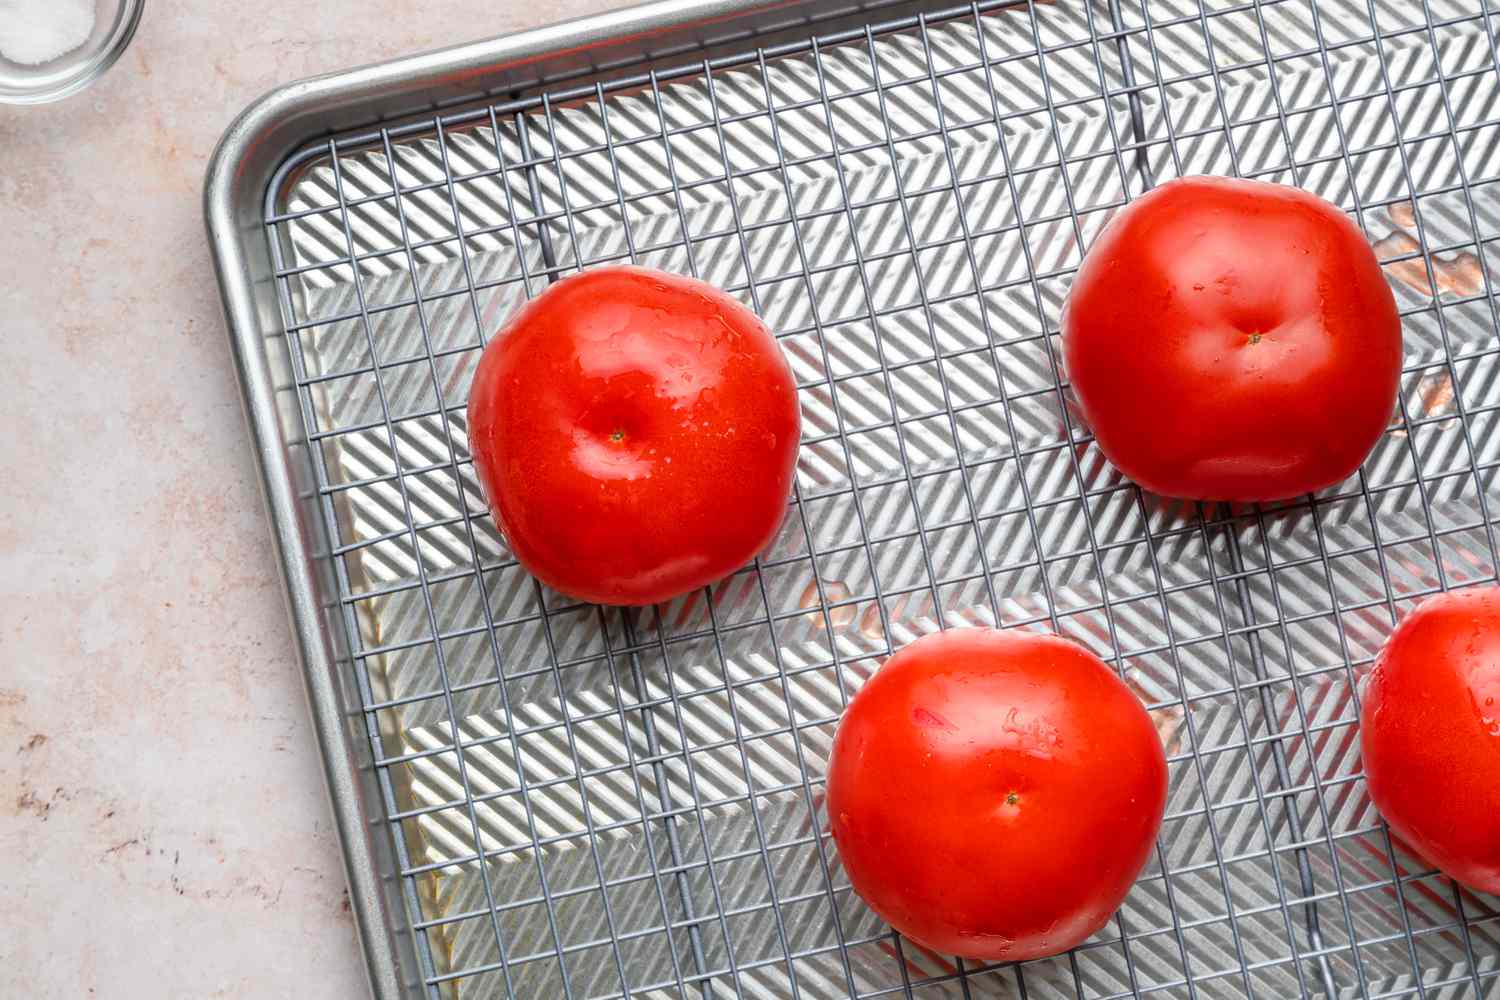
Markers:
point(993, 794)
point(1233, 340)
point(635, 433)
point(1430, 733)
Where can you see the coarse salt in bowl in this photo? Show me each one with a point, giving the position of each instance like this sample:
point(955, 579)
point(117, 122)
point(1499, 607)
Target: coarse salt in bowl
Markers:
point(50, 49)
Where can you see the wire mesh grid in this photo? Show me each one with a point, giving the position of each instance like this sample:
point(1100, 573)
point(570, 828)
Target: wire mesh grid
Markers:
point(593, 802)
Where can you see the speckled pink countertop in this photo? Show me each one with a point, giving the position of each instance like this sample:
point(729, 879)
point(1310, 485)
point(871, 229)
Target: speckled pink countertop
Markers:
point(162, 817)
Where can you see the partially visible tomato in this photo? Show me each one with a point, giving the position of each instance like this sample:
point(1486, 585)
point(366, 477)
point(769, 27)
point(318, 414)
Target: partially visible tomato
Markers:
point(1233, 340)
point(636, 434)
point(1430, 734)
point(994, 794)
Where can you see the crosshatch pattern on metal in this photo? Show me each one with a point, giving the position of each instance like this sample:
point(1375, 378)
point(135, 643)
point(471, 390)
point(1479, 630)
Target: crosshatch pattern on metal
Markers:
point(592, 802)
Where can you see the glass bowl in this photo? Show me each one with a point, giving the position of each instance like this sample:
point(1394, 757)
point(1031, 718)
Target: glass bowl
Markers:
point(114, 26)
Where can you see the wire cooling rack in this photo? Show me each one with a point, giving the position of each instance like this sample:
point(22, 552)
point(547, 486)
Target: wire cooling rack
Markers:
point(590, 802)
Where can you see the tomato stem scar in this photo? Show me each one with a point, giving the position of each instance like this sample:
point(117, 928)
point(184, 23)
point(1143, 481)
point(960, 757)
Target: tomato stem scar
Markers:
point(618, 435)
point(1255, 338)
point(1012, 799)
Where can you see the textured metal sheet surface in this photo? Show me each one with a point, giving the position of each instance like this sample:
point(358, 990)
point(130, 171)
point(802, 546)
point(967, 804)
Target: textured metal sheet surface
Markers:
point(593, 802)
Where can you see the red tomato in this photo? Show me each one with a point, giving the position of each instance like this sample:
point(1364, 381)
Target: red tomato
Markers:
point(636, 434)
point(1430, 734)
point(1233, 340)
point(993, 794)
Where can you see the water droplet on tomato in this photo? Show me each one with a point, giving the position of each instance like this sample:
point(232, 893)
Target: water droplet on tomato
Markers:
point(929, 719)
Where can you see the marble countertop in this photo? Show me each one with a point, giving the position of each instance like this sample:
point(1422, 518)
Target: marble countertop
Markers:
point(161, 804)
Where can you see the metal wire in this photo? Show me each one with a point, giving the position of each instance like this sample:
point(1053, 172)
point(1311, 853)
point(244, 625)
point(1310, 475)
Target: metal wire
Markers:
point(606, 804)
